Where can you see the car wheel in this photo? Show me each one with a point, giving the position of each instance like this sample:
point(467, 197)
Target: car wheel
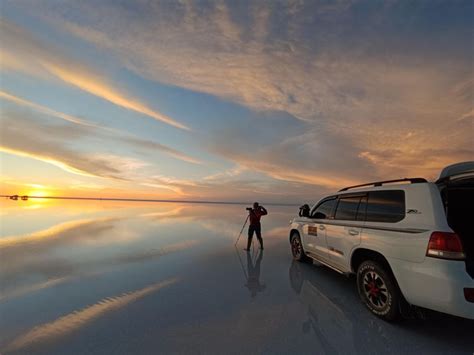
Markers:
point(297, 247)
point(378, 290)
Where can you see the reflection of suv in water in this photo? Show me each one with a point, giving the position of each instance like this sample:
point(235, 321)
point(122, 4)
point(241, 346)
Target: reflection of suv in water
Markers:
point(409, 241)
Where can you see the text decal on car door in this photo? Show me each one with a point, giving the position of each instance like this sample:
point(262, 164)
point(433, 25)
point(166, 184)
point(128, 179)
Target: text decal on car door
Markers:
point(313, 231)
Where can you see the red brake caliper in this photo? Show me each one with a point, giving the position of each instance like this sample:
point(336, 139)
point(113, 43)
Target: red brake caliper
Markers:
point(374, 290)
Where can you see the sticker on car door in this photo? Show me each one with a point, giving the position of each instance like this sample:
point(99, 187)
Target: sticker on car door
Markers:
point(313, 231)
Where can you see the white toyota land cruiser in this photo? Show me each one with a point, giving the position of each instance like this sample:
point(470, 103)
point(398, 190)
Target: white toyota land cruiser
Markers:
point(410, 241)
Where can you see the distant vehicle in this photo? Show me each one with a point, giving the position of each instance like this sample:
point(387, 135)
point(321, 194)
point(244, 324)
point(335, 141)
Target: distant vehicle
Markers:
point(409, 241)
point(14, 197)
point(24, 198)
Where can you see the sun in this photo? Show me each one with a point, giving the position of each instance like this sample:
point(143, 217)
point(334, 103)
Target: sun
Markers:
point(38, 191)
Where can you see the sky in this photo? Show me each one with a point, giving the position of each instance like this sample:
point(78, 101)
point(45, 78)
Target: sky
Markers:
point(275, 101)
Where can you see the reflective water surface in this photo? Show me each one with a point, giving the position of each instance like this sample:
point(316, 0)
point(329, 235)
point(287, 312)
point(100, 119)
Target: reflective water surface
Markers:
point(111, 277)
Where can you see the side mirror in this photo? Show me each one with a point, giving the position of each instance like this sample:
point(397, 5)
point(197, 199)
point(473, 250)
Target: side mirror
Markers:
point(304, 211)
point(319, 215)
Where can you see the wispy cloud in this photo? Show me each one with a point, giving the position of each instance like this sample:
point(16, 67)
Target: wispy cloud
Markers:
point(24, 52)
point(45, 110)
point(49, 144)
point(113, 133)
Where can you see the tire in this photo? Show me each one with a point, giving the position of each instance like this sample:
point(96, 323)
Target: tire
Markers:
point(297, 248)
point(378, 290)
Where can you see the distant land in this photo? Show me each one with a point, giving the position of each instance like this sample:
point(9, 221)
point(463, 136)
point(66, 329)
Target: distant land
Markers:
point(147, 200)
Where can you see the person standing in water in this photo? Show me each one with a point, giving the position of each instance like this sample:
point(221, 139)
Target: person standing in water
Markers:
point(255, 214)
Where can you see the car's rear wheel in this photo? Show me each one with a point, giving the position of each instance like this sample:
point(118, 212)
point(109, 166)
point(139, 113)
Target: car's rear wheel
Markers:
point(297, 248)
point(378, 290)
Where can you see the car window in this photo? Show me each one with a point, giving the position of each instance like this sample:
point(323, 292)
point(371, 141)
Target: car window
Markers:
point(362, 209)
point(347, 208)
point(385, 206)
point(324, 210)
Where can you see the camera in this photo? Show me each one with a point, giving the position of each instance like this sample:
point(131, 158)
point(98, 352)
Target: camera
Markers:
point(249, 209)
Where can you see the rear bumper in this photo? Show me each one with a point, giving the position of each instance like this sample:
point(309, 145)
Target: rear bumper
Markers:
point(435, 284)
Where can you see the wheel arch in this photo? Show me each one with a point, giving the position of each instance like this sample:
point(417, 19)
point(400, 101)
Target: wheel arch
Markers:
point(360, 255)
point(293, 230)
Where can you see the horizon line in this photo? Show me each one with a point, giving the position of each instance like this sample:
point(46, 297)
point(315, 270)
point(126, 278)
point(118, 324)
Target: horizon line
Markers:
point(150, 200)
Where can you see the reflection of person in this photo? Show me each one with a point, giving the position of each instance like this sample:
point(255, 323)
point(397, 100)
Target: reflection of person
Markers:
point(254, 227)
point(253, 280)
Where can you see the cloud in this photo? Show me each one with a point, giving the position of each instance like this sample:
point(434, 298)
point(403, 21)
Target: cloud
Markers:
point(21, 51)
point(71, 322)
point(20, 101)
point(111, 132)
point(372, 93)
point(348, 78)
point(154, 146)
point(48, 143)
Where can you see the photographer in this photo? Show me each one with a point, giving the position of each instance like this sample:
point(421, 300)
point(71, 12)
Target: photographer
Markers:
point(254, 215)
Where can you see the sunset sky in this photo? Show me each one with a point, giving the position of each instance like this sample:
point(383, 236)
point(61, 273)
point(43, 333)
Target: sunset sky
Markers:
point(277, 101)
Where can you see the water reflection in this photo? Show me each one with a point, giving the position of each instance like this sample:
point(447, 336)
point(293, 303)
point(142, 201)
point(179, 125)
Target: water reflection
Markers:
point(69, 323)
point(73, 281)
point(338, 321)
point(253, 273)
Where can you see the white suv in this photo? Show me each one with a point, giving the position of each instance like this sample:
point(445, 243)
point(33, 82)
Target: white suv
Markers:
point(410, 241)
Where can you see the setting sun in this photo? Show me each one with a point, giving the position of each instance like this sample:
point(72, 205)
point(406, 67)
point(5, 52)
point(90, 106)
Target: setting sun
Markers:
point(38, 191)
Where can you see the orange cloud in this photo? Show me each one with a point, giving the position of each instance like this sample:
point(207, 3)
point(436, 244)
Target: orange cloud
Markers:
point(25, 53)
point(46, 159)
point(98, 87)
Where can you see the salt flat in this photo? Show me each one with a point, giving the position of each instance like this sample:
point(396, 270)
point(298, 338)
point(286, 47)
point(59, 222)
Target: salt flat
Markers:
point(116, 277)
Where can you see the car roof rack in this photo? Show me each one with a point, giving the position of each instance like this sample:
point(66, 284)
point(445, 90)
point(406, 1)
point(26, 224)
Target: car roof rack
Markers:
point(380, 183)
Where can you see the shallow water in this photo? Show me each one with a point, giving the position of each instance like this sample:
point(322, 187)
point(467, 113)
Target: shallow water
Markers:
point(125, 277)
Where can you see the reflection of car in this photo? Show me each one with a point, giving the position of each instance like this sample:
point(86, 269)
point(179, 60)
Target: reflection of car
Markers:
point(330, 315)
point(409, 241)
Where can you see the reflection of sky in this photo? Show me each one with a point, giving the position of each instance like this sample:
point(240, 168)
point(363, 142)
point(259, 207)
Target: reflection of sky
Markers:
point(145, 276)
point(96, 249)
point(259, 100)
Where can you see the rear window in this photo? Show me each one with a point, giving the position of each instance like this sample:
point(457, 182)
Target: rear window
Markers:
point(385, 206)
point(347, 208)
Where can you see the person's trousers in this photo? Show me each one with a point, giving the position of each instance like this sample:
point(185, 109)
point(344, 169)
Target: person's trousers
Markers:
point(257, 229)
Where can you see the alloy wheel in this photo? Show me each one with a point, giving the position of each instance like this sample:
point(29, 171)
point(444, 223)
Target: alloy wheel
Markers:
point(375, 289)
point(296, 247)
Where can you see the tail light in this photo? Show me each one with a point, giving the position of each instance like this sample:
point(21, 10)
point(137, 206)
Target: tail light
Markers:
point(445, 245)
point(469, 294)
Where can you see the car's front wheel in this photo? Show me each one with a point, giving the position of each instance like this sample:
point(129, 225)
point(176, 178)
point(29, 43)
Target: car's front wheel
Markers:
point(297, 247)
point(378, 290)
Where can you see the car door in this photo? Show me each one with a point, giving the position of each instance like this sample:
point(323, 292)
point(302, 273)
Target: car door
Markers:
point(343, 232)
point(315, 229)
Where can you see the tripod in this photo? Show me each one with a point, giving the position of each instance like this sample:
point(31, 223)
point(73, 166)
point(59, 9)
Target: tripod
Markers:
point(241, 230)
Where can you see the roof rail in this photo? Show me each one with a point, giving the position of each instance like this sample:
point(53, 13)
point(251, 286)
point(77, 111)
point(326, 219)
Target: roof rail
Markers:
point(380, 183)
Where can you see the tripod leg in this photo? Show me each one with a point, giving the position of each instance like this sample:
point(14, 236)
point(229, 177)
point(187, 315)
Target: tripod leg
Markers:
point(241, 230)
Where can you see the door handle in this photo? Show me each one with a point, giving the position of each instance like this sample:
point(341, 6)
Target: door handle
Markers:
point(353, 232)
point(321, 227)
